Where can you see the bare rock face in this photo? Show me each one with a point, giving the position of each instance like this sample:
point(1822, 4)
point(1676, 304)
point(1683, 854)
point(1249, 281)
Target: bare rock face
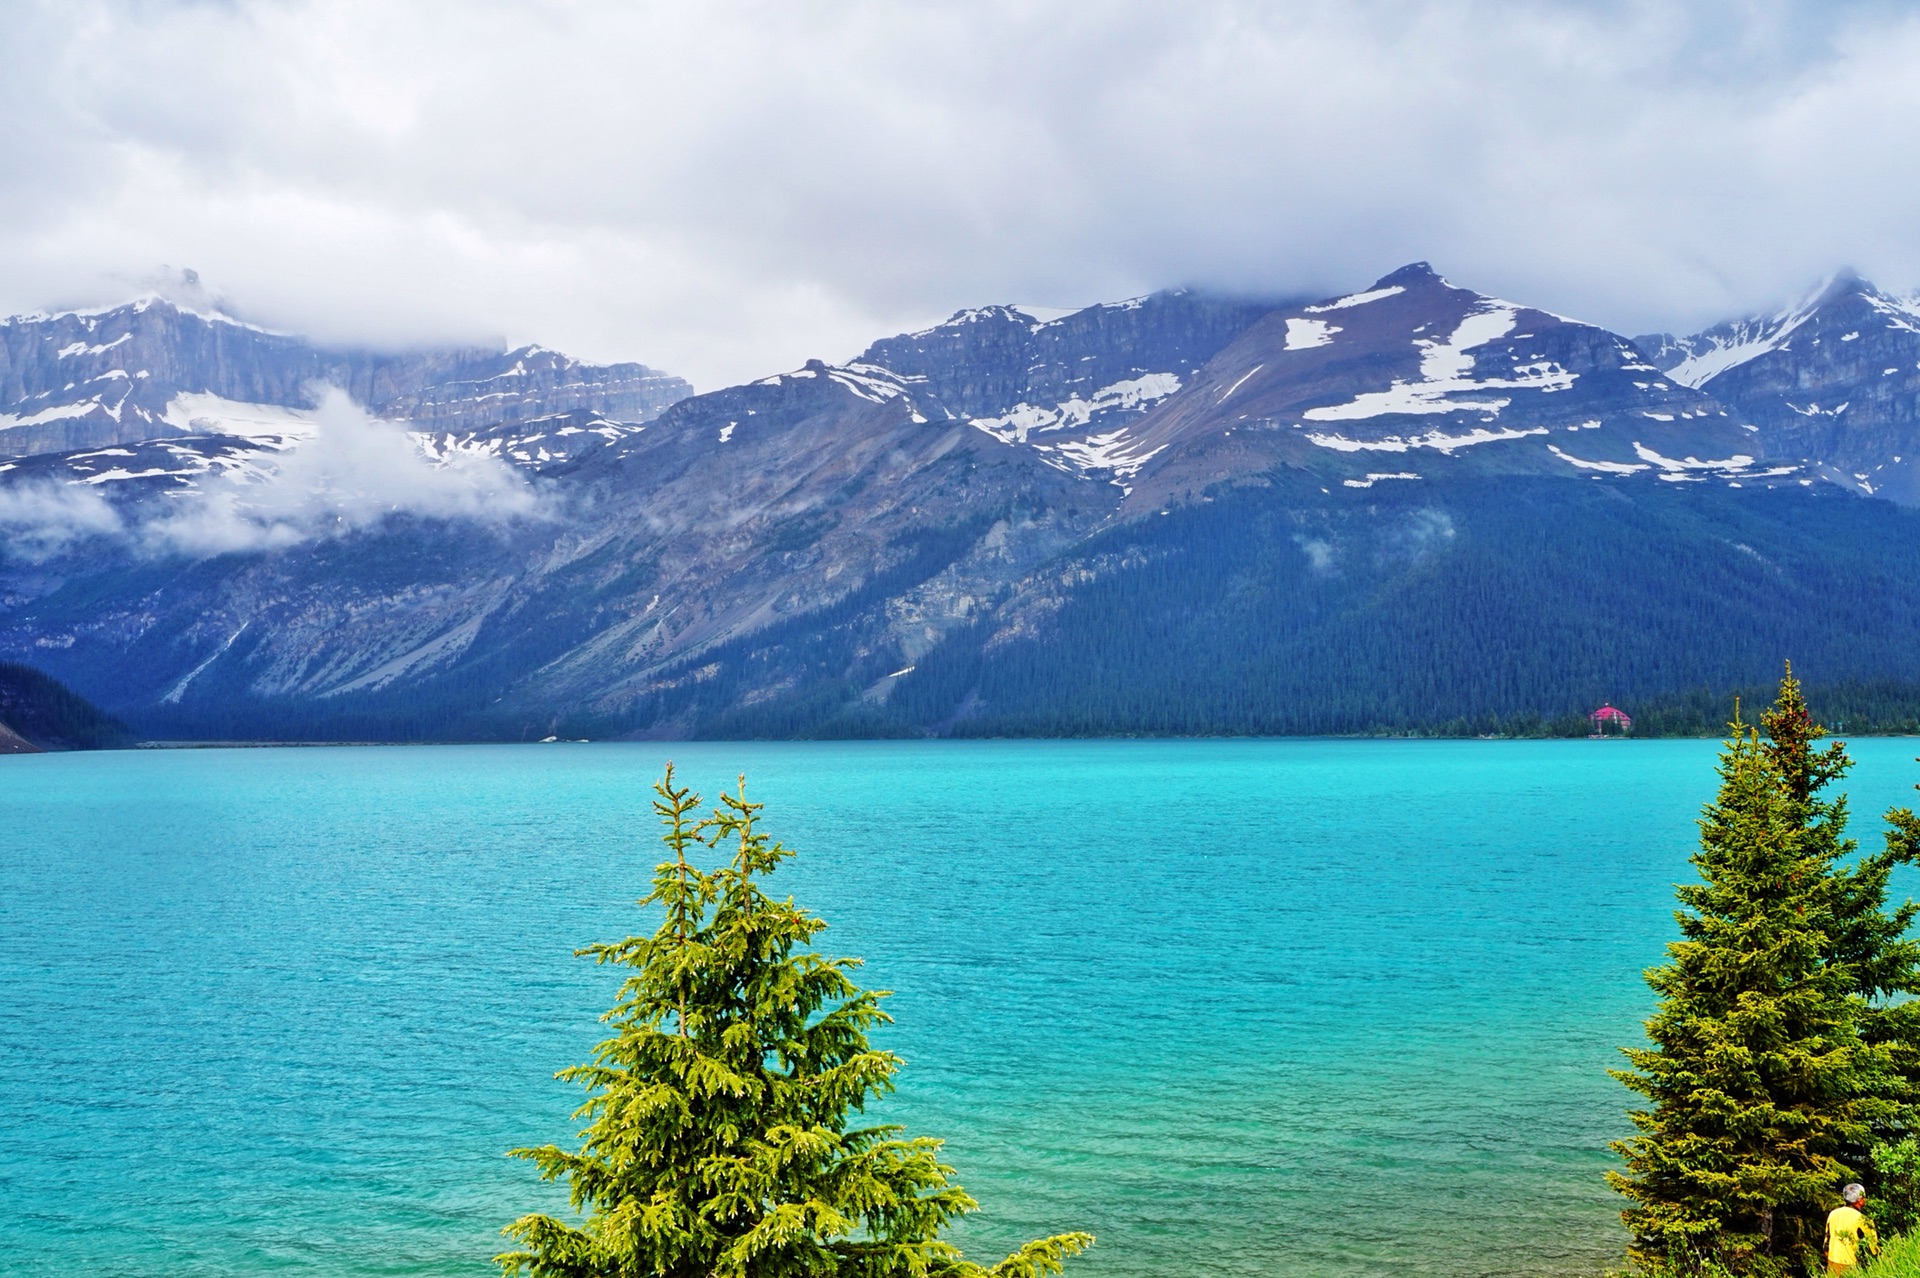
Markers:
point(150, 369)
point(1833, 381)
point(1415, 378)
point(531, 383)
point(992, 362)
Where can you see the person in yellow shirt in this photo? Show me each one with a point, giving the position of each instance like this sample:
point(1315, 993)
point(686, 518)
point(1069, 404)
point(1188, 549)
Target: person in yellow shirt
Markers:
point(1847, 1228)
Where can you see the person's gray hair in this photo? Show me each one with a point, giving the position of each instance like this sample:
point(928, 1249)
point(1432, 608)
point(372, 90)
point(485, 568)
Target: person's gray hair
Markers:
point(1854, 1193)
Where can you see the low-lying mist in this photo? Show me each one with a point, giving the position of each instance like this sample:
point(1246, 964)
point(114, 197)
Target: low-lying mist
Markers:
point(352, 473)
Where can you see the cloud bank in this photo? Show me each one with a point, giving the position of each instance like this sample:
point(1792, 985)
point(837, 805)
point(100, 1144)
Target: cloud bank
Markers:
point(353, 472)
point(40, 520)
point(727, 189)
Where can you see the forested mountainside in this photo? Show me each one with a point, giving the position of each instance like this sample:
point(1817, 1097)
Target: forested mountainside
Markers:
point(39, 713)
point(1410, 508)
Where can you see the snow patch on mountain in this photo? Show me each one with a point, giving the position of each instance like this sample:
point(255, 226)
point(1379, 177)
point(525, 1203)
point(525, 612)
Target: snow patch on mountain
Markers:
point(979, 315)
point(56, 413)
point(1024, 419)
point(81, 348)
point(90, 317)
point(530, 445)
point(1305, 334)
point(870, 382)
point(1445, 366)
point(1437, 440)
point(1608, 467)
point(184, 461)
point(1900, 313)
point(206, 414)
point(1723, 354)
point(1239, 383)
point(1738, 467)
point(1738, 462)
point(1114, 451)
point(1742, 341)
point(1357, 299)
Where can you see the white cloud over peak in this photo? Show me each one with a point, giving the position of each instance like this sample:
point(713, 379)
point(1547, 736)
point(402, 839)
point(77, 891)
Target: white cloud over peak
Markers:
point(39, 520)
point(722, 190)
point(352, 471)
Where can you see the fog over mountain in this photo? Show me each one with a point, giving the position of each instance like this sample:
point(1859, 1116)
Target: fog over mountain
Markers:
point(720, 190)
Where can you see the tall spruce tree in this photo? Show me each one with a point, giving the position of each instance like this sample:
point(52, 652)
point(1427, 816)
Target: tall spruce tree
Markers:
point(718, 1141)
point(1866, 941)
point(1756, 1071)
point(1886, 964)
point(1783, 1047)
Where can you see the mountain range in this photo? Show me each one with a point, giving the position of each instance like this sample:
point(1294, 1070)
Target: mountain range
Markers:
point(1413, 507)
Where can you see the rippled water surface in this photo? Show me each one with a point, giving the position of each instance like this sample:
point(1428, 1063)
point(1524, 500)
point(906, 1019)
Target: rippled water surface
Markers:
point(1237, 1007)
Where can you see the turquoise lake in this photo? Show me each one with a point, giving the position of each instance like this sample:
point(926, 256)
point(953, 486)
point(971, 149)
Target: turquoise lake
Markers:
point(1237, 1007)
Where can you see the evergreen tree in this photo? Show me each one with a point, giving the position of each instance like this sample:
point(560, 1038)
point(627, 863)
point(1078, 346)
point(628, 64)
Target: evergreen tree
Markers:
point(718, 1139)
point(1868, 946)
point(1758, 1079)
point(1886, 963)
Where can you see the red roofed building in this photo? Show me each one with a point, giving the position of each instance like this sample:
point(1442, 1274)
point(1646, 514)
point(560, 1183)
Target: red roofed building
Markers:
point(1610, 721)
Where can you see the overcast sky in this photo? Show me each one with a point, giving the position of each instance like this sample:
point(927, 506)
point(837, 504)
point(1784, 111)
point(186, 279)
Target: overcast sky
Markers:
point(725, 190)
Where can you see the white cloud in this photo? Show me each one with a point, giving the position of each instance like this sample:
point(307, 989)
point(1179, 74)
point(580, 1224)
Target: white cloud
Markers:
point(41, 519)
point(352, 472)
point(726, 189)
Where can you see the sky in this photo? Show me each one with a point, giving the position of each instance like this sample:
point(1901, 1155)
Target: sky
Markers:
point(724, 190)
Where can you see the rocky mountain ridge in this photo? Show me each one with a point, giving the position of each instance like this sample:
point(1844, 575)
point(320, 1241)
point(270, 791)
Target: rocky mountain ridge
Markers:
point(151, 369)
point(1833, 380)
point(861, 547)
point(1415, 376)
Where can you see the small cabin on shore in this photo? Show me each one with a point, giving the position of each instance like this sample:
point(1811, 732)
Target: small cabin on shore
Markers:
point(1610, 721)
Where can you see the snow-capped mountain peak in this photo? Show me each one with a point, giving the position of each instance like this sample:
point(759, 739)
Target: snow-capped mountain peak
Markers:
point(153, 369)
point(1833, 379)
point(1414, 365)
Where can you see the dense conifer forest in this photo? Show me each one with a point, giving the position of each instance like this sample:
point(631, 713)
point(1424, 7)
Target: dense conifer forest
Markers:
point(53, 717)
point(1501, 606)
point(1507, 607)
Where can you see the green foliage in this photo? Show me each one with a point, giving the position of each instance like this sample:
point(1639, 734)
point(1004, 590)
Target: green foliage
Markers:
point(1858, 707)
point(1895, 1204)
point(1776, 1060)
point(1508, 606)
point(1677, 1266)
point(53, 716)
point(1899, 1258)
point(717, 1140)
